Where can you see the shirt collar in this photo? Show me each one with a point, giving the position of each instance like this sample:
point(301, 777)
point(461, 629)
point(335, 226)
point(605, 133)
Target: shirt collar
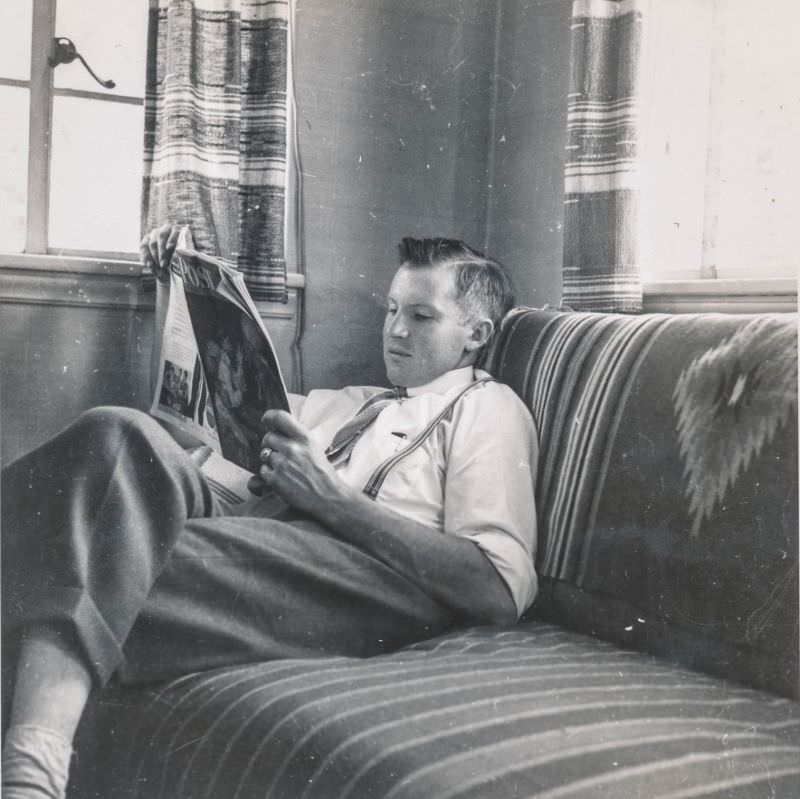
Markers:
point(443, 383)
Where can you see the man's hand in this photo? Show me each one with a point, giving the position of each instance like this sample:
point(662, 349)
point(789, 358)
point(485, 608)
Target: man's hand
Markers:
point(295, 468)
point(156, 249)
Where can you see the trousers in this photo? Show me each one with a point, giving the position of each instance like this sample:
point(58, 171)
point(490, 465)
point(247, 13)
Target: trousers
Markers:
point(112, 535)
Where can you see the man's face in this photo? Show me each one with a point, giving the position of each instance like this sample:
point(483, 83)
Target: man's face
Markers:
point(424, 335)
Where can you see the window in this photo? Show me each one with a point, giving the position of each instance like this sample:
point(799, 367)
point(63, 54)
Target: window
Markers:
point(721, 122)
point(71, 153)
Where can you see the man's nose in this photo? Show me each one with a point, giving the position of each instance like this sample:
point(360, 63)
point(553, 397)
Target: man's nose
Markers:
point(398, 327)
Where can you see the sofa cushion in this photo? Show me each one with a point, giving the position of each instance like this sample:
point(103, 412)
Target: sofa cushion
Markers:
point(667, 487)
point(529, 711)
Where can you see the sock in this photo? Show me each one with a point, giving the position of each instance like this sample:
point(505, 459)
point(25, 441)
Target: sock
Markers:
point(35, 763)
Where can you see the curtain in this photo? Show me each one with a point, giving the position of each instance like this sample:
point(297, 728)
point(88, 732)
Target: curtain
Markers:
point(601, 269)
point(215, 131)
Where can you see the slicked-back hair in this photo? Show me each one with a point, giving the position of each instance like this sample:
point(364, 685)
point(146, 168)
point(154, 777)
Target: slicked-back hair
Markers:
point(484, 289)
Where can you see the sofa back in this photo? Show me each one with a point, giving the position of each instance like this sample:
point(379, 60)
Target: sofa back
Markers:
point(667, 482)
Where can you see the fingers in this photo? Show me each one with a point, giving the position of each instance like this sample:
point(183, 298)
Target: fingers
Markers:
point(274, 446)
point(284, 424)
point(263, 478)
point(267, 472)
point(293, 467)
point(278, 449)
point(156, 249)
point(285, 443)
point(149, 246)
point(166, 241)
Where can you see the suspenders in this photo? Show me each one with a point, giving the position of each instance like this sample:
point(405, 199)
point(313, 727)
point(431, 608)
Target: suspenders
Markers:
point(375, 482)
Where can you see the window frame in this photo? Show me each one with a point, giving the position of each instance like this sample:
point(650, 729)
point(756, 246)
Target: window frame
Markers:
point(721, 295)
point(705, 292)
point(42, 90)
point(705, 282)
point(711, 289)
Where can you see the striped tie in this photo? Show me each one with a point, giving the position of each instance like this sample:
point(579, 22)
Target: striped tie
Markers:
point(346, 437)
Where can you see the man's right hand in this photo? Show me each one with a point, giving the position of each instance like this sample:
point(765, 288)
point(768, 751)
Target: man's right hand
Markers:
point(156, 249)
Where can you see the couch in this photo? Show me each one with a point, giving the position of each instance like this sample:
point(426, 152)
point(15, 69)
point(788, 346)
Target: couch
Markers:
point(659, 660)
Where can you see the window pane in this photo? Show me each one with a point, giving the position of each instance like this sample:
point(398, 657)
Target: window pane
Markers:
point(111, 36)
point(15, 39)
point(758, 204)
point(13, 168)
point(96, 175)
point(720, 126)
point(673, 127)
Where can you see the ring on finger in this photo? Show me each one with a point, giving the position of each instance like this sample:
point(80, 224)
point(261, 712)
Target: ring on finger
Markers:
point(266, 455)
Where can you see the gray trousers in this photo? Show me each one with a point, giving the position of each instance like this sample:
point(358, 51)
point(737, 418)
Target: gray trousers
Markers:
point(111, 535)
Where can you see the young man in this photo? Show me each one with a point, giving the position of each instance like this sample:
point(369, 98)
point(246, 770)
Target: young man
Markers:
point(400, 515)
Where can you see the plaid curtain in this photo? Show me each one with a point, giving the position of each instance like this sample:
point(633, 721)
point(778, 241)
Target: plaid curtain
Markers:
point(601, 269)
point(215, 131)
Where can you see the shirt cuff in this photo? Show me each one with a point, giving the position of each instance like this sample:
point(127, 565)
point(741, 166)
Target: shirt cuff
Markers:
point(513, 563)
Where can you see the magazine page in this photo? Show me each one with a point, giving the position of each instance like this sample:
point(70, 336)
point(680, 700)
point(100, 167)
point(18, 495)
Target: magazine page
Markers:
point(235, 367)
point(181, 394)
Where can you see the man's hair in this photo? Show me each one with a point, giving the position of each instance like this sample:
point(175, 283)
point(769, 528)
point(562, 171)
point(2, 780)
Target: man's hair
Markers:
point(483, 286)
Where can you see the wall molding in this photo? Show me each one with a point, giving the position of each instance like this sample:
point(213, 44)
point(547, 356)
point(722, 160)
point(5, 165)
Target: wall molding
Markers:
point(39, 287)
point(100, 284)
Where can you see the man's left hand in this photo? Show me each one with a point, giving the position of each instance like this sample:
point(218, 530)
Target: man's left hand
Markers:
point(295, 468)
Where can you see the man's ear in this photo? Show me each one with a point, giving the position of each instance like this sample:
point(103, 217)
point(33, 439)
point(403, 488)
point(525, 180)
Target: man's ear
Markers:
point(481, 333)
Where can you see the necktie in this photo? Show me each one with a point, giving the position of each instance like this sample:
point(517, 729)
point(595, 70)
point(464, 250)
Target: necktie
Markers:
point(346, 437)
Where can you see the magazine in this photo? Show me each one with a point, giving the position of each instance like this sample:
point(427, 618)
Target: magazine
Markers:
point(217, 369)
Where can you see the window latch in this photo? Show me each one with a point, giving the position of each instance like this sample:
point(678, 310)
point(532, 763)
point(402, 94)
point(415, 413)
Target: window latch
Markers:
point(64, 52)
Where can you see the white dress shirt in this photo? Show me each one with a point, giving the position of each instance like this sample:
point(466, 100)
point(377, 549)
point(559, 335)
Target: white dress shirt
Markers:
point(473, 477)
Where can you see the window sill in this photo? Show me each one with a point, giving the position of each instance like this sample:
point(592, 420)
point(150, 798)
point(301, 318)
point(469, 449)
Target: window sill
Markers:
point(725, 295)
point(95, 282)
point(70, 264)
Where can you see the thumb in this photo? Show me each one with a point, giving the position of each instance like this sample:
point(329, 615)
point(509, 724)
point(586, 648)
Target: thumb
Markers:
point(282, 422)
point(255, 485)
point(185, 238)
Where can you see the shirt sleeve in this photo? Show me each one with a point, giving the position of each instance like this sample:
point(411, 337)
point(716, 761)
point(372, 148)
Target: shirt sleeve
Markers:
point(489, 484)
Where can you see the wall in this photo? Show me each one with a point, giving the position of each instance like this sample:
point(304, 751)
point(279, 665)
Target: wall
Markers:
point(419, 118)
point(525, 229)
point(60, 356)
point(393, 117)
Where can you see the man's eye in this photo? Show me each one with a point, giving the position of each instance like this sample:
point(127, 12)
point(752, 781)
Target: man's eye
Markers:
point(422, 317)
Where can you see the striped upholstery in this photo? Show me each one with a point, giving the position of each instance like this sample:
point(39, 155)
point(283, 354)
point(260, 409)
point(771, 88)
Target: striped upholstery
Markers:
point(668, 524)
point(534, 711)
point(667, 488)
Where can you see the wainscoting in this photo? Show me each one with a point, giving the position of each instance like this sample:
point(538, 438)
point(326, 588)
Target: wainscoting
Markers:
point(75, 335)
